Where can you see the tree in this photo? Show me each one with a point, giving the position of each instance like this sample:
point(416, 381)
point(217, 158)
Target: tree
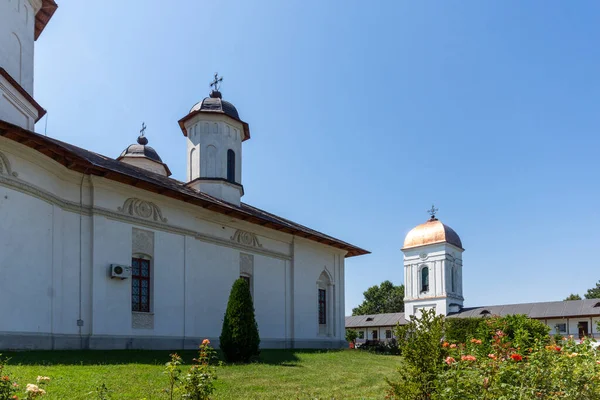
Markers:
point(593, 293)
point(351, 336)
point(385, 298)
point(573, 297)
point(239, 337)
point(420, 344)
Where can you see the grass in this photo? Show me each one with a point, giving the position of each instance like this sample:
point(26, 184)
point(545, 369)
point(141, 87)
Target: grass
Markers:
point(278, 374)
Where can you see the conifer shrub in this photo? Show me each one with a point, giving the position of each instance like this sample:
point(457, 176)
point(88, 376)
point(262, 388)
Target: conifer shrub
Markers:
point(239, 339)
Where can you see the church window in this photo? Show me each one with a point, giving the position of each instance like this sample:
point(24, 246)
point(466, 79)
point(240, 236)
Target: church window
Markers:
point(230, 165)
point(453, 277)
point(388, 334)
point(322, 306)
point(140, 285)
point(561, 328)
point(361, 334)
point(374, 334)
point(424, 279)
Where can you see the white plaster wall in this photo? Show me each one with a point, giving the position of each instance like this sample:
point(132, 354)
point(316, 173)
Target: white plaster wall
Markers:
point(210, 271)
point(439, 258)
point(209, 138)
point(25, 262)
point(269, 282)
point(168, 284)
point(196, 259)
point(14, 108)
point(40, 265)
point(111, 298)
point(572, 325)
point(310, 260)
point(17, 18)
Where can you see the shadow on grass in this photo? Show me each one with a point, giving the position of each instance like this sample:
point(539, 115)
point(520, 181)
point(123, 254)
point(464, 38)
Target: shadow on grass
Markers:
point(286, 358)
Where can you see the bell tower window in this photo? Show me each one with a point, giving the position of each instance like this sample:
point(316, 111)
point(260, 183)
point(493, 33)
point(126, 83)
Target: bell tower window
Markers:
point(230, 165)
point(424, 279)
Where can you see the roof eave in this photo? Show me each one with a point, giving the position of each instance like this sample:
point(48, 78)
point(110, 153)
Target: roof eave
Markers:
point(43, 16)
point(191, 115)
point(23, 92)
point(75, 162)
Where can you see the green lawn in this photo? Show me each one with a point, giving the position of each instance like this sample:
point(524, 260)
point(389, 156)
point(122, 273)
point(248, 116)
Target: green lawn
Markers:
point(279, 374)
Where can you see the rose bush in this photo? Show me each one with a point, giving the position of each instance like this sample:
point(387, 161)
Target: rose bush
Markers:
point(521, 362)
point(564, 370)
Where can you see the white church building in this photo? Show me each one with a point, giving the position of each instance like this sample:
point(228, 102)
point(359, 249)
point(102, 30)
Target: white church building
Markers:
point(433, 272)
point(111, 253)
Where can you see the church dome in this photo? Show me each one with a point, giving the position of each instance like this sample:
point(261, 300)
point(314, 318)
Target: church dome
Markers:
point(214, 103)
point(432, 231)
point(141, 150)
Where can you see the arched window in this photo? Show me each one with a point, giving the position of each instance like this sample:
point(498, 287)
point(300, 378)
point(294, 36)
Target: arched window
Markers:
point(453, 278)
point(230, 165)
point(424, 279)
point(324, 306)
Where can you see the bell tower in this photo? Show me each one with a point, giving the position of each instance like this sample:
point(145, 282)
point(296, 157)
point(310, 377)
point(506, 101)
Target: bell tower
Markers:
point(21, 23)
point(215, 133)
point(432, 268)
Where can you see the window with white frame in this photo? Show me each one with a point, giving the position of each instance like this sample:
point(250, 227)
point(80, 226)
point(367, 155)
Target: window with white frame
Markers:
point(561, 328)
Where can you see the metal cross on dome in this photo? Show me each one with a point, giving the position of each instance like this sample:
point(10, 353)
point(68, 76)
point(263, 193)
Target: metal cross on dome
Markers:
point(215, 83)
point(432, 211)
point(143, 130)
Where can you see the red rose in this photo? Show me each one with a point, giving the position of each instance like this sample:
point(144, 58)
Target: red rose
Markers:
point(516, 357)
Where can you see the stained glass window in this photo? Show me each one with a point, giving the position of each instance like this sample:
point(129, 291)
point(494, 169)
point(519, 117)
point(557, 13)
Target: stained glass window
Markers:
point(140, 285)
point(322, 307)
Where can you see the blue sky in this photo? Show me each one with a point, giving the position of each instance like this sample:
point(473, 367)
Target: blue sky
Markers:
point(363, 115)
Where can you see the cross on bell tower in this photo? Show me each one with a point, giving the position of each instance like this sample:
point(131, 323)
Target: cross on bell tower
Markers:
point(215, 84)
point(432, 211)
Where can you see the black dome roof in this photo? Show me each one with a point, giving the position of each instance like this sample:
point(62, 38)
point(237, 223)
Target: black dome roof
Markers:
point(141, 150)
point(214, 103)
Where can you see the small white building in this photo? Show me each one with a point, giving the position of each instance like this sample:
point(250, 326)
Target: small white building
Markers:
point(111, 253)
point(433, 272)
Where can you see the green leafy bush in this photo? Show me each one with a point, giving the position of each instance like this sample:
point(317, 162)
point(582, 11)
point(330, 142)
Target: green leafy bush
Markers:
point(508, 358)
point(388, 347)
point(564, 370)
point(239, 336)
point(351, 336)
point(459, 330)
point(421, 362)
point(520, 330)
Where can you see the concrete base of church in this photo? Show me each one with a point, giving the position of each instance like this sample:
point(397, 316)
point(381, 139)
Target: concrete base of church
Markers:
point(29, 341)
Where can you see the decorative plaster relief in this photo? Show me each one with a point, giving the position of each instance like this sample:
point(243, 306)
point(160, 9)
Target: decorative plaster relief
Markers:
point(246, 264)
point(142, 242)
point(246, 238)
point(5, 167)
point(142, 208)
point(142, 320)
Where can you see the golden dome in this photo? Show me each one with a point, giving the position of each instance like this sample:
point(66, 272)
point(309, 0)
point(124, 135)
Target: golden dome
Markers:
point(432, 231)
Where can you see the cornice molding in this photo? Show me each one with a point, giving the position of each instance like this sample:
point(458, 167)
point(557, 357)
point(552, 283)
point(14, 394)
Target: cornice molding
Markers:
point(27, 188)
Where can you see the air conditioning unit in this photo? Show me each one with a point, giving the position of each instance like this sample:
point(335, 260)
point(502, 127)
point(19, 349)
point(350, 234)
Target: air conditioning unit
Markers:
point(118, 271)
